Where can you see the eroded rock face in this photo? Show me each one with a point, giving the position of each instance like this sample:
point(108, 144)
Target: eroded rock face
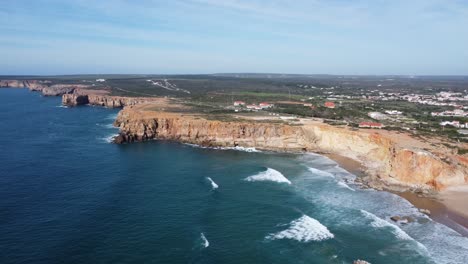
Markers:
point(74, 99)
point(100, 98)
point(12, 84)
point(31, 84)
point(386, 160)
point(57, 90)
point(42, 86)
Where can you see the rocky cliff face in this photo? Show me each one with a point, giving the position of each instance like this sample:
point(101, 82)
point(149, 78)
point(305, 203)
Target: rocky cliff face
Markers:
point(100, 99)
point(12, 84)
point(42, 86)
point(33, 85)
point(388, 162)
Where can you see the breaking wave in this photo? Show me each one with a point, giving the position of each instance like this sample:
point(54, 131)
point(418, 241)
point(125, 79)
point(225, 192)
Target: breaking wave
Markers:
point(318, 172)
point(304, 229)
point(62, 106)
point(344, 185)
point(214, 186)
point(106, 125)
point(378, 222)
point(244, 149)
point(205, 243)
point(268, 175)
point(111, 117)
point(110, 138)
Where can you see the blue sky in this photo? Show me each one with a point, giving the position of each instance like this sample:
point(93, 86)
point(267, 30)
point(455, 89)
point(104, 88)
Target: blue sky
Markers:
point(409, 37)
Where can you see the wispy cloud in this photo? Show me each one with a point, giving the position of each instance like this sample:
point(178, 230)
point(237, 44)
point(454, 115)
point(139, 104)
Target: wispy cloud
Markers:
point(336, 36)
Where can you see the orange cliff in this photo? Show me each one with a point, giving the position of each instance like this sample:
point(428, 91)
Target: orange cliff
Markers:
point(395, 161)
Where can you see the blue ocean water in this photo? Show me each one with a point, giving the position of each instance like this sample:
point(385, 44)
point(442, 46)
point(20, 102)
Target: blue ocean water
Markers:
point(67, 195)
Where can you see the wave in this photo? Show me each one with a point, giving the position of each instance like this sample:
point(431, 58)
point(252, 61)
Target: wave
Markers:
point(106, 125)
point(344, 185)
point(269, 175)
point(61, 106)
point(214, 186)
point(205, 243)
point(304, 229)
point(322, 173)
point(244, 149)
point(378, 222)
point(110, 138)
point(111, 117)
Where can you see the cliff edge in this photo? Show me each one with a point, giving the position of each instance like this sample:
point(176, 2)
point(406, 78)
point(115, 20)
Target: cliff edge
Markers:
point(393, 160)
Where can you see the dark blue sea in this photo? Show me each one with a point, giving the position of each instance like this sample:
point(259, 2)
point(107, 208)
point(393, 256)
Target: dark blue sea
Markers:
point(67, 195)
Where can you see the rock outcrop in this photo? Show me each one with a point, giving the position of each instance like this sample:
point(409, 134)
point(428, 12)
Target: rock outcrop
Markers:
point(13, 84)
point(101, 98)
point(387, 159)
point(44, 87)
point(33, 85)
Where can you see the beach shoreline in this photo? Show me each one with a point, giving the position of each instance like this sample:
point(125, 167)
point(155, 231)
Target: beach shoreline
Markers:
point(449, 207)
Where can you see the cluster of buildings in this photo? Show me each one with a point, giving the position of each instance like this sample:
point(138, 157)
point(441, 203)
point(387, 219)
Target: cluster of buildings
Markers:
point(439, 99)
point(456, 112)
point(260, 106)
point(456, 124)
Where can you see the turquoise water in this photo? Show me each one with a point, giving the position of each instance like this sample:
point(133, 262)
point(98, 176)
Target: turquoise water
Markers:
point(69, 196)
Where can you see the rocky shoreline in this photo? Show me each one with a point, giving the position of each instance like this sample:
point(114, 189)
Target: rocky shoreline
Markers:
point(393, 161)
point(390, 162)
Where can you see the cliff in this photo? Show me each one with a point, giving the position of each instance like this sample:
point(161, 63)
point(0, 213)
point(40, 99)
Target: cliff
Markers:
point(392, 160)
point(101, 98)
point(44, 87)
point(31, 84)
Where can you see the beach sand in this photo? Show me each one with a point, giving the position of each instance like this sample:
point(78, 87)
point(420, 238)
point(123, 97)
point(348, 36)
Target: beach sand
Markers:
point(449, 207)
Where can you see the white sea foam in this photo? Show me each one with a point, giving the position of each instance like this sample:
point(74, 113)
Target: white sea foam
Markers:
point(378, 222)
point(318, 172)
point(269, 175)
point(110, 138)
point(225, 148)
point(62, 106)
point(214, 186)
point(111, 117)
point(106, 125)
point(344, 185)
point(243, 149)
point(304, 229)
point(205, 242)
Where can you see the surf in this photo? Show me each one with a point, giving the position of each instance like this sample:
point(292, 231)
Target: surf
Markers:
point(268, 175)
point(204, 242)
point(304, 229)
point(214, 186)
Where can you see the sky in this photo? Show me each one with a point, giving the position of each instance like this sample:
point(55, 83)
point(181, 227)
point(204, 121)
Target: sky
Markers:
point(353, 37)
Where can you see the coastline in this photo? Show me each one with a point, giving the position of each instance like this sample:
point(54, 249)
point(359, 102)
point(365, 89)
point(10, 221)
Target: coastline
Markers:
point(449, 207)
point(446, 207)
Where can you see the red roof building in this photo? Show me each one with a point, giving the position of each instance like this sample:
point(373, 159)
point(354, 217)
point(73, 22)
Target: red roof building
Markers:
point(265, 105)
point(329, 104)
point(237, 103)
point(371, 125)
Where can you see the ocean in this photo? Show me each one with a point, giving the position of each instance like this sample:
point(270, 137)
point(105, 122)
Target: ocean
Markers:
point(68, 195)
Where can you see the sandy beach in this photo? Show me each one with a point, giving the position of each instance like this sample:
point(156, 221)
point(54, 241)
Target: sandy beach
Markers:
point(449, 207)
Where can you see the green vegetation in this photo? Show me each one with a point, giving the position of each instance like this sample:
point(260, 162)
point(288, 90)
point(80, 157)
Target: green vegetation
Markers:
point(354, 96)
